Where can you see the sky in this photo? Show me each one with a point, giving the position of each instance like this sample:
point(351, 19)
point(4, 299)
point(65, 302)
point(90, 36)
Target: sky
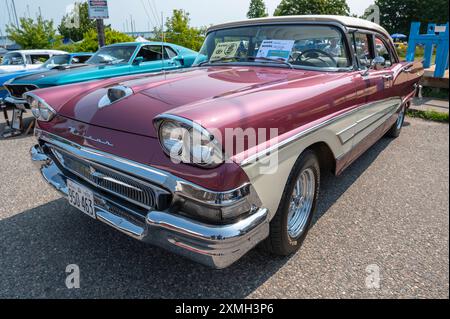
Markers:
point(202, 12)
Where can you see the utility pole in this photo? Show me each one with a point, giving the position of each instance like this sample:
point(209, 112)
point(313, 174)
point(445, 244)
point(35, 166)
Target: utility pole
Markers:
point(101, 32)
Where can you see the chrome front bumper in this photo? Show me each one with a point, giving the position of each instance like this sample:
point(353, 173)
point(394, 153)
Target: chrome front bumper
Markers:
point(216, 246)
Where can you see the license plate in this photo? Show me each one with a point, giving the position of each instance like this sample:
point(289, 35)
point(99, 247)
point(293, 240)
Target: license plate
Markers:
point(81, 198)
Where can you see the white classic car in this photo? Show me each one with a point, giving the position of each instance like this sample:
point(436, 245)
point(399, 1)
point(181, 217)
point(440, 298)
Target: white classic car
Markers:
point(26, 59)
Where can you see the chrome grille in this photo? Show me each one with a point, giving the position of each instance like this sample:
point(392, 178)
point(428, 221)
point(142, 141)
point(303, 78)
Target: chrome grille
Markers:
point(111, 181)
point(18, 90)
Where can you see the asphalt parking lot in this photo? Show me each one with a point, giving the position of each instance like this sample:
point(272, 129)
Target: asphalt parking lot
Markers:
point(388, 211)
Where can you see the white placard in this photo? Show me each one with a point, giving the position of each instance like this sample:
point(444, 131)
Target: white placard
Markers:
point(276, 49)
point(98, 9)
point(440, 28)
point(225, 50)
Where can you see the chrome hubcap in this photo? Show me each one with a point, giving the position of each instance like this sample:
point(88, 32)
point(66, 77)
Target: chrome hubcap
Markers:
point(302, 200)
point(400, 119)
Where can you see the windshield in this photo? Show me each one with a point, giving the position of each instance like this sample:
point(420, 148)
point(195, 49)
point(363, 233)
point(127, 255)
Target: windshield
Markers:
point(57, 60)
point(113, 55)
point(13, 59)
point(297, 46)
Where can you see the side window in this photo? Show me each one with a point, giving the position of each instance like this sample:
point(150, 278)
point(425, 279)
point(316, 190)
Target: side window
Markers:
point(170, 53)
point(362, 49)
point(150, 53)
point(382, 50)
point(37, 58)
point(80, 59)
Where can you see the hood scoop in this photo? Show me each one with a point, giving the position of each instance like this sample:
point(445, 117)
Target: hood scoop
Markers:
point(115, 94)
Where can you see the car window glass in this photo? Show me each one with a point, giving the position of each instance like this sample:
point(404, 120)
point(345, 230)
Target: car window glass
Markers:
point(37, 58)
point(113, 54)
point(171, 53)
point(300, 45)
point(151, 53)
point(362, 50)
point(381, 50)
point(80, 59)
point(13, 59)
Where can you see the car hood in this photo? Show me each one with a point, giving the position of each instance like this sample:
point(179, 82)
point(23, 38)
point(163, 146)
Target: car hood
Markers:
point(7, 76)
point(200, 94)
point(71, 74)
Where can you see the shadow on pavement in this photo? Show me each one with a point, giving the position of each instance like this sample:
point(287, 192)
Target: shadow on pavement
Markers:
point(37, 245)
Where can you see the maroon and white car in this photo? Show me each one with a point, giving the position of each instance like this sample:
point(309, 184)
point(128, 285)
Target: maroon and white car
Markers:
point(210, 161)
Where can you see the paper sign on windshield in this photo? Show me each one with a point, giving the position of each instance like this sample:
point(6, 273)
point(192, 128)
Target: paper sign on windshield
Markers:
point(225, 50)
point(276, 49)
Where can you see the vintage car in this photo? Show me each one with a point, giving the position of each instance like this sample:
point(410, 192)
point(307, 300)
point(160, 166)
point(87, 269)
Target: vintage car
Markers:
point(52, 63)
point(211, 161)
point(109, 61)
point(26, 59)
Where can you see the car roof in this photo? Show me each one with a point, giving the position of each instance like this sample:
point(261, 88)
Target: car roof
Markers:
point(139, 43)
point(349, 22)
point(53, 52)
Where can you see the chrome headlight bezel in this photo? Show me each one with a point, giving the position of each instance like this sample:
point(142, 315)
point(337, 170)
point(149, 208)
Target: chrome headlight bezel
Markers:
point(190, 142)
point(39, 108)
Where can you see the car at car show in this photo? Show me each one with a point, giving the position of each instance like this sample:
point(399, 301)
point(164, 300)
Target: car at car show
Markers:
point(109, 61)
point(211, 161)
point(52, 63)
point(26, 59)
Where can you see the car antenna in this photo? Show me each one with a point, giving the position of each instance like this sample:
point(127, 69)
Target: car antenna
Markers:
point(162, 44)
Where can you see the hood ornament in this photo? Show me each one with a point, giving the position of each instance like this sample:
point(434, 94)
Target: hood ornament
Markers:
point(115, 94)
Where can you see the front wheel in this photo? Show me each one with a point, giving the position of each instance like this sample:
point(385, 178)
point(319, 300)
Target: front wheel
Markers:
point(291, 223)
point(396, 129)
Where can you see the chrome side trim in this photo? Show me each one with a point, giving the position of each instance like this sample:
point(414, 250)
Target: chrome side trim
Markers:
point(256, 157)
point(379, 115)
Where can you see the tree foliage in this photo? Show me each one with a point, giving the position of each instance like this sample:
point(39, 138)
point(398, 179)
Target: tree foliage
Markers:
point(396, 15)
point(179, 31)
point(90, 39)
point(33, 34)
point(299, 7)
point(257, 9)
point(85, 24)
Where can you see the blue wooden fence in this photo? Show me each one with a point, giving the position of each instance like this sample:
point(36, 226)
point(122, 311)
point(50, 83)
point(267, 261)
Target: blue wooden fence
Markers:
point(431, 40)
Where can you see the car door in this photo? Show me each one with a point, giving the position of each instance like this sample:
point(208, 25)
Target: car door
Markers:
point(381, 91)
point(154, 58)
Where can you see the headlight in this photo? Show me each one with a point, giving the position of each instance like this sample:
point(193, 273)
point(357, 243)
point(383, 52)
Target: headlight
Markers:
point(40, 109)
point(187, 142)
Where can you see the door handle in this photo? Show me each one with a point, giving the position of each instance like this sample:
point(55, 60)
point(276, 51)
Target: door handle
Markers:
point(388, 77)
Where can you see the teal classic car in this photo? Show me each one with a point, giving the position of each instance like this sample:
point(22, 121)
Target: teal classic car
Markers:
point(110, 61)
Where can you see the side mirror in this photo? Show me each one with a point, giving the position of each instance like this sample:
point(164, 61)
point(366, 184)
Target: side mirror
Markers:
point(179, 59)
point(138, 60)
point(378, 63)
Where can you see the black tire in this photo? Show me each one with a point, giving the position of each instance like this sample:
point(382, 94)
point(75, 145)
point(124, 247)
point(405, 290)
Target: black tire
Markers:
point(279, 241)
point(396, 129)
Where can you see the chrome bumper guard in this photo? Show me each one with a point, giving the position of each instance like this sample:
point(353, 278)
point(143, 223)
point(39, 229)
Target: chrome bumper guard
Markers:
point(216, 246)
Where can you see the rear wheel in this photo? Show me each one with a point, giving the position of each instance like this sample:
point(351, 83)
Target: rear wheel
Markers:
point(291, 223)
point(396, 129)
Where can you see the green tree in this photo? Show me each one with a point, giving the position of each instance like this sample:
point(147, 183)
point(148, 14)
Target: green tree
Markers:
point(33, 34)
point(179, 31)
point(299, 7)
point(90, 41)
point(76, 34)
point(396, 15)
point(257, 9)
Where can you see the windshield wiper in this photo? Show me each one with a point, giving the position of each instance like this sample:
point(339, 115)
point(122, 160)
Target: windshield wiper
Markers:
point(254, 58)
point(219, 60)
point(268, 60)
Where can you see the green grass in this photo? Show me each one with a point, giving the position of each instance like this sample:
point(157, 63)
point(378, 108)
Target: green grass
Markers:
point(435, 93)
point(429, 115)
